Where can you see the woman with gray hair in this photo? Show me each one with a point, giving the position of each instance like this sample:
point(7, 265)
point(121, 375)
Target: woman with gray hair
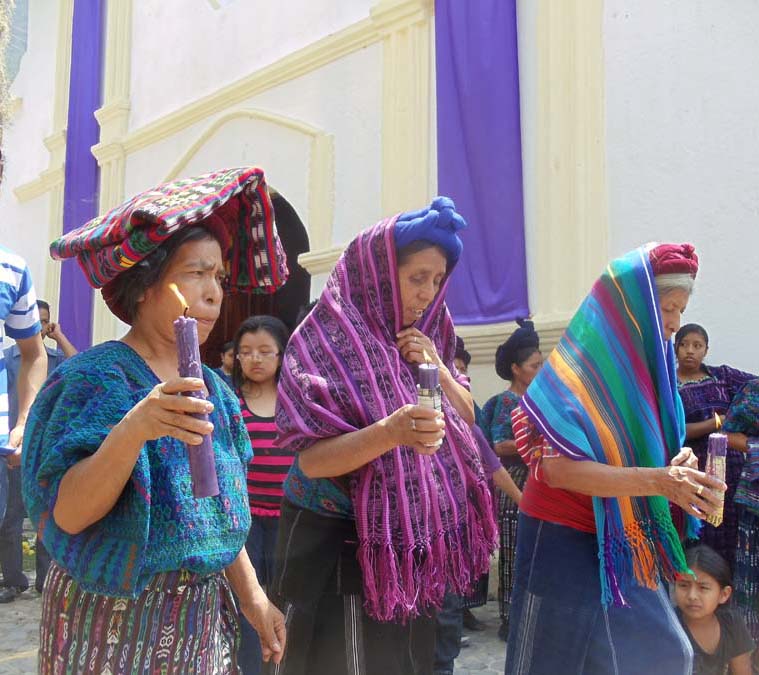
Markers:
point(601, 428)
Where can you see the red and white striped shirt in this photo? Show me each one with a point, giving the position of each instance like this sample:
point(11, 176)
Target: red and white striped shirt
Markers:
point(268, 468)
point(539, 500)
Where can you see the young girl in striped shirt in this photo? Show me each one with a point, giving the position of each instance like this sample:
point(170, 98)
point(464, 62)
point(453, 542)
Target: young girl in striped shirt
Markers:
point(258, 348)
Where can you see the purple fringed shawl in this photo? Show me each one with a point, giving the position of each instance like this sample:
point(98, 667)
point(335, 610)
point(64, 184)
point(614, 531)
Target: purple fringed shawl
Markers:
point(424, 522)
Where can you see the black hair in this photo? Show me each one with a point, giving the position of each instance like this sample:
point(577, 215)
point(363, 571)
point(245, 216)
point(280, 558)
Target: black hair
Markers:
point(304, 311)
point(227, 346)
point(520, 346)
point(504, 359)
point(709, 561)
point(686, 330)
point(520, 356)
point(253, 324)
point(404, 253)
point(461, 352)
point(41, 304)
point(128, 287)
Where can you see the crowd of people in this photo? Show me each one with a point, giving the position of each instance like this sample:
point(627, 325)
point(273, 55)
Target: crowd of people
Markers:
point(354, 525)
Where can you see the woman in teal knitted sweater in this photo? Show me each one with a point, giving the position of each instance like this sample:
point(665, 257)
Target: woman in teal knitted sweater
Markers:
point(143, 571)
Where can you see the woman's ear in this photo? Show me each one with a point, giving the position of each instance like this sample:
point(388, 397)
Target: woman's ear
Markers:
point(724, 594)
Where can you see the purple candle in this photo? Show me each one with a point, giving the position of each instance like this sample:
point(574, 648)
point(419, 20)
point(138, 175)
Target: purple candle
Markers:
point(429, 376)
point(202, 461)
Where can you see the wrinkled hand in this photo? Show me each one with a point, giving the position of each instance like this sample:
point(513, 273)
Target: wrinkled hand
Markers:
point(15, 440)
point(163, 412)
point(412, 344)
point(695, 492)
point(417, 427)
point(269, 623)
point(686, 457)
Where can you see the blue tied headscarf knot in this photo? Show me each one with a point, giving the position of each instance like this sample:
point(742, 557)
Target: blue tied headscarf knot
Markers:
point(438, 224)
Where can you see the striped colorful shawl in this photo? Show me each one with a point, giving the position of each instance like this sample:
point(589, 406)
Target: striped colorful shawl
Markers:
point(608, 393)
point(424, 523)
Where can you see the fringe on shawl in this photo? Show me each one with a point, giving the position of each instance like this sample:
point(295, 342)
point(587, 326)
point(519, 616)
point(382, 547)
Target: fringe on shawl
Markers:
point(401, 585)
point(645, 552)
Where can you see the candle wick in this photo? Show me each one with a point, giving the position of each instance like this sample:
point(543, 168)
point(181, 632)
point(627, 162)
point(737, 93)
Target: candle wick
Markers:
point(185, 311)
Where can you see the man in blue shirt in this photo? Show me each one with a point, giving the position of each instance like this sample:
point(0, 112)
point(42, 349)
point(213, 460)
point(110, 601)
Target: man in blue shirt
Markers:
point(11, 530)
point(19, 319)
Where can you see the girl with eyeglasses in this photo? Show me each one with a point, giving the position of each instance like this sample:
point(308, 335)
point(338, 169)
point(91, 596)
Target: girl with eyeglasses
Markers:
point(258, 347)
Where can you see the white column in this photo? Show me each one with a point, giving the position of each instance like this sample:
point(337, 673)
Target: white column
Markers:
point(406, 30)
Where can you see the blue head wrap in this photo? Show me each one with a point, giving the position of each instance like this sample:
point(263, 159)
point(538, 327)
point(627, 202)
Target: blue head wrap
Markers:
point(437, 224)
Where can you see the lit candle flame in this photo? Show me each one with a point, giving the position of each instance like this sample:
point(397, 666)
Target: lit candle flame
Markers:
point(175, 289)
point(717, 421)
point(427, 358)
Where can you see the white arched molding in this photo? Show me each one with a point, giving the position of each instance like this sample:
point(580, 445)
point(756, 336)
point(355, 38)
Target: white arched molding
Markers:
point(321, 176)
point(405, 30)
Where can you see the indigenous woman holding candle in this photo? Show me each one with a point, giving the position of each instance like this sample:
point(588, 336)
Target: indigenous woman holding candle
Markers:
point(143, 565)
point(742, 427)
point(387, 504)
point(517, 360)
point(258, 347)
point(707, 392)
point(601, 429)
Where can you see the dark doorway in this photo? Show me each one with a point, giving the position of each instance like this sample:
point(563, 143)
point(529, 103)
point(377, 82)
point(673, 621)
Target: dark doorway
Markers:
point(284, 304)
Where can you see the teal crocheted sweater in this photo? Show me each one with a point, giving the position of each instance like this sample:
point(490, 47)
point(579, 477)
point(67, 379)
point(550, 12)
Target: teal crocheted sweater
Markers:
point(156, 525)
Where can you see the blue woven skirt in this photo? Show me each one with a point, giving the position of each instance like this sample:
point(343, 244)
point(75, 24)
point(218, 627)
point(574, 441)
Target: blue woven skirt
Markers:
point(557, 622)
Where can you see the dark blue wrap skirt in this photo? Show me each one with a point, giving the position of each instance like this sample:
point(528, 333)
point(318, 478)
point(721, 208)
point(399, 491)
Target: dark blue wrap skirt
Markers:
point(558, 624)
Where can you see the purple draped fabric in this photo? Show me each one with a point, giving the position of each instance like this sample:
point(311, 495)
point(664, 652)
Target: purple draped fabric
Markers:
point(80, 201)
point(480, 155)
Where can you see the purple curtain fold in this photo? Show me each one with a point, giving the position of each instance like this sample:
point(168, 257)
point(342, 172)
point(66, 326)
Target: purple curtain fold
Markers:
point(80, 200)
point(480, 155)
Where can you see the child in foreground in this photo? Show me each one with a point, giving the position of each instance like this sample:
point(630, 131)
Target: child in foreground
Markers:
point(721, 642)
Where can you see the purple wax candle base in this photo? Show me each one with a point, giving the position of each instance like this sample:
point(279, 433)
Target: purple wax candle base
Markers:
point(717, 444)
point(429, 376)
point(203, 470)
point(202, 460)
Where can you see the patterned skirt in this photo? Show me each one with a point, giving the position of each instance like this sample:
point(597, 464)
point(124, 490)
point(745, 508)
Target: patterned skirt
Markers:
point(508, 516)
point(181, 623)
point(746, 576)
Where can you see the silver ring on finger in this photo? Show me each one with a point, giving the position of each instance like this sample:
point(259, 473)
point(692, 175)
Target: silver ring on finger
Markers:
point(700, 490)
point(413, 424)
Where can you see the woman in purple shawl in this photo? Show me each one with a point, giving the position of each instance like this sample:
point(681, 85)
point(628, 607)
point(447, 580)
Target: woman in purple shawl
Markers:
point(387, 504)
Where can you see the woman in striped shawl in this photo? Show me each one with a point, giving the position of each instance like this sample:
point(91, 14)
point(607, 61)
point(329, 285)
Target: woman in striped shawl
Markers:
point(601, 429)
point(387, 504)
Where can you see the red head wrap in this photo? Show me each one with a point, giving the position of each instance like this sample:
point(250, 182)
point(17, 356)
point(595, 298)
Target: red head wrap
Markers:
point(674, 259)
